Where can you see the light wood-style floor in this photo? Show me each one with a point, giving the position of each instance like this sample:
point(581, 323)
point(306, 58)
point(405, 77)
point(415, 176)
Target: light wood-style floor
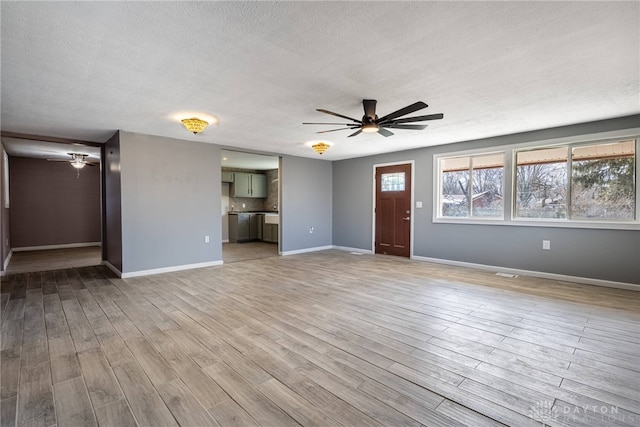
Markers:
point(327, 338)
point(54, 259)
point(234, 252)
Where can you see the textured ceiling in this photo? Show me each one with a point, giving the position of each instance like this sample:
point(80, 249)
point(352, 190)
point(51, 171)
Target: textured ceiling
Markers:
point(82, 70)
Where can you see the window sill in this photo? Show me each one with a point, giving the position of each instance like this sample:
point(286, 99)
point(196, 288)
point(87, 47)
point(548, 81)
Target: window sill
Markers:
point(541, 223)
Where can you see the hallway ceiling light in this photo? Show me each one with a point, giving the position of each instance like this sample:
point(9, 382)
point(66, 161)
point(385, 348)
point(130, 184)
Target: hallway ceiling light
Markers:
point(194, 125)
point(320, 147)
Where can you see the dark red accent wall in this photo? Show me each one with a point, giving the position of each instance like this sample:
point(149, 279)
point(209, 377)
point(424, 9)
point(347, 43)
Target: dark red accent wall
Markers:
point(50, 205)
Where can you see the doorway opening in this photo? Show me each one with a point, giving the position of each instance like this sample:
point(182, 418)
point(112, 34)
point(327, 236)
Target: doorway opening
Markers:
point(53, 204)
point(393, 219)
point(250, 206)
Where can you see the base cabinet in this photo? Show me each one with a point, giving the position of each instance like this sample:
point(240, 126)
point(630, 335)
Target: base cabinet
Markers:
point(248, 227)
point(270, 233)
point(244, 227)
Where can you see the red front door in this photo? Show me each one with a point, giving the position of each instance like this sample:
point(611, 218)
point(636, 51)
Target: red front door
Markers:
point(393, 210)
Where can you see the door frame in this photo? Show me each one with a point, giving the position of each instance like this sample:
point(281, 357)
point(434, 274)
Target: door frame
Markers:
point(373, 202)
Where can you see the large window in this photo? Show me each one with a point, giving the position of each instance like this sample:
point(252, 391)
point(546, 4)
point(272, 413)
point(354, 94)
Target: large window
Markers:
point(541, 183)
point(472, 186)
point(603, 181)
point(580, 182)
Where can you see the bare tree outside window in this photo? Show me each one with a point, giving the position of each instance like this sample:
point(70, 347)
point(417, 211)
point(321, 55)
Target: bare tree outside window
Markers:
point(472, 186)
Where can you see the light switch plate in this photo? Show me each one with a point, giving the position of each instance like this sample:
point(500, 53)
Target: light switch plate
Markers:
point(418, 205)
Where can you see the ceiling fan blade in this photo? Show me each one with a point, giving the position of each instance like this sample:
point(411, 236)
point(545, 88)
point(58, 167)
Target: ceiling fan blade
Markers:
point(355, 133)
point(409, 127)
point(57, 160)
point(333, 130)
point(335, 124)
point(369, 107)
point(403, 111)
point(382, 131)
point(416, 119)
point(337, 115)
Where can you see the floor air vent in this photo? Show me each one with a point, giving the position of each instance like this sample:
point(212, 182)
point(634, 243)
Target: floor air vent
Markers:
point(513, 276)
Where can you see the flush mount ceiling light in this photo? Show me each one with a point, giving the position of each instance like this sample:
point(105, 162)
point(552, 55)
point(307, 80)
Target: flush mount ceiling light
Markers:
point(320, 147)
point(194, 125)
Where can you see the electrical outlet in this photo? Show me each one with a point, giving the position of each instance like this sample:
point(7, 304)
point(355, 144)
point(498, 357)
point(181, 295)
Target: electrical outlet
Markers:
point(206, 239)
point(546, 245)
point(311, 230)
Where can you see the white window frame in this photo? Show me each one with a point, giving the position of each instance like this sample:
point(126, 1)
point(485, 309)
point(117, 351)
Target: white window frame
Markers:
point(509, 177)
point(438, 198)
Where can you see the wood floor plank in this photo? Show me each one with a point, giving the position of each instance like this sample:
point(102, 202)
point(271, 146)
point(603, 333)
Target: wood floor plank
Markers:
point(151, 361)
point(229, 413)
point(146, 405)
point(73, 407)
point(101, 383)
point(257, 405)
point(35, 396)
point(8, 411)
point(465, 415)
point(115, 414)
point(64, 362)
point(206, 390)
point(81, 331)
point(294, 405)
point(9, 372)
point(184, 406)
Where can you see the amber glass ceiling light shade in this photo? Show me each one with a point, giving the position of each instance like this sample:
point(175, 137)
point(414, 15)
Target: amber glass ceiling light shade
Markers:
point(320, 147)
point(195, 125)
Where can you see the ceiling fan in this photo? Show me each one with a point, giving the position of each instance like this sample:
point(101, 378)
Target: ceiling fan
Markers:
point(371, 123)
point(78, 160)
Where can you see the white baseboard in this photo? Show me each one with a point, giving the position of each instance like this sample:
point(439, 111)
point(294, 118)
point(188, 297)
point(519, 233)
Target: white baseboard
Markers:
point(64, 246)
point(303, 251)
point(112, 268)
point(348, 249)
point(169, 269)
point(5, 264)
point(7, 259)
point(225, 241)
point(541, 274)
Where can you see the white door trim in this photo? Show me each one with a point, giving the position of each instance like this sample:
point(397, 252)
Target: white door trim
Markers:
point(373, 202)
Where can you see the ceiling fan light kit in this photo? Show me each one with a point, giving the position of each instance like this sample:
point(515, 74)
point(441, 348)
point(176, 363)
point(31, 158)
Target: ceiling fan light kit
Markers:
point(195, 125)
point(78, 161)
point(371, 123)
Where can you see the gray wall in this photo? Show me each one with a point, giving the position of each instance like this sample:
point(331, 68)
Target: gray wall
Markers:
point(111, 203)
point(306, 201)
point(591, 253)
point(51, 204)
point(171, 199)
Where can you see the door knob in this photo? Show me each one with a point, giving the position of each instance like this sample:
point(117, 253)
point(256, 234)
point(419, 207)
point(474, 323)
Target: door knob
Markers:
point(407, 218)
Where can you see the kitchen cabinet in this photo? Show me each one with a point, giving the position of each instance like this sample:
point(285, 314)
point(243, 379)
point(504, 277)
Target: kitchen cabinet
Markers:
point(270, 233)
point(244, 227)
point(227, 177)
point(249, 185)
